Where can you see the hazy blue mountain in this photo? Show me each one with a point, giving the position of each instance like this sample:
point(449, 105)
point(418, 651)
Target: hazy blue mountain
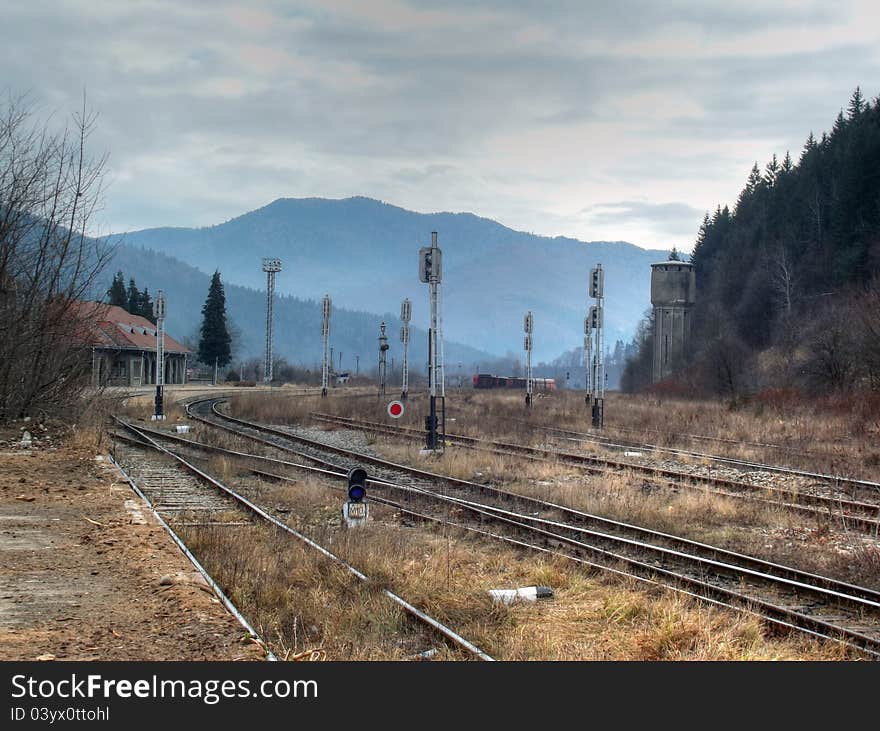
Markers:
point(297, 331)
point(364, 254)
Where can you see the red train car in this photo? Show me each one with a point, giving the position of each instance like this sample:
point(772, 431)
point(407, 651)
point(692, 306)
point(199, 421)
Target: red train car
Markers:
point(487, 380)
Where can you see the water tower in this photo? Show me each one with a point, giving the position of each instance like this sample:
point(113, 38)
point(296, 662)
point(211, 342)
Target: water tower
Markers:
point(673, 293)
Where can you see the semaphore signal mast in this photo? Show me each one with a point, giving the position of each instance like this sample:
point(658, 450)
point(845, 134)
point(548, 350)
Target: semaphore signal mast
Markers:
point(528, 327)
point(405, 315)
point(326, 364)
point(430, 272)
point(159, 414)
point(595, 323)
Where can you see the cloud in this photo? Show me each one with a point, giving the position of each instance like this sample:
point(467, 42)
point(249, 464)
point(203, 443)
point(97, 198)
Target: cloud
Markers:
point(522, 112)
point(675, 219)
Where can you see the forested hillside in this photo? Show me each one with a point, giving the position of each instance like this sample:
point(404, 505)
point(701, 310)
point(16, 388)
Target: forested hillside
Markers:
point(787, 280)
point(297, 321)
point(364, 253)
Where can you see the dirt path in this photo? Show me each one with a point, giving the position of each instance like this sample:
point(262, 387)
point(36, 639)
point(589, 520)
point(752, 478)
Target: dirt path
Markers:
point(80, 566)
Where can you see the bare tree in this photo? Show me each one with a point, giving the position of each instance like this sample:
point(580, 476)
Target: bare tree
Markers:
point(868, 307)
point(832, 347)
point(49, 190)
point(783, 278)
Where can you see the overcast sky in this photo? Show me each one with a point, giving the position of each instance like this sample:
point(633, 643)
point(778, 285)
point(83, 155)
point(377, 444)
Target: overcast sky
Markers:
point(618, 120)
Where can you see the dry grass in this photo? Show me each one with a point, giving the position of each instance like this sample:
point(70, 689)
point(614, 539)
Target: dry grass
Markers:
point(142, 408)
point(301, 601)
point(817, 435)
point(593, 616)
point(760, 529)
point(763, 530)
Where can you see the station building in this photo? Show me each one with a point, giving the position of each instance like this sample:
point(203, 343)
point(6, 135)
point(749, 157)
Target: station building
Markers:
point(124, 348)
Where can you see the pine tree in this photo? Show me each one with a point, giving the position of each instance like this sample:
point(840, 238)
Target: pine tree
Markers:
point(772, 171)
point(133, 298)
point(856, 104)
point(787, 163)
point(215, 342)
point(116, 294)
point(753, 184)
point(809, 146)
point(145, 306)
point(674, 255)
point(754, 180)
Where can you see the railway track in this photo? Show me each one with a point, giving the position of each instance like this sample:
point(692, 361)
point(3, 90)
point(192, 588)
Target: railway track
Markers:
point(160, 491)
point(182, 488)
point(782, 595)
point(719, 440)
point(837, 480)
point(860, 515)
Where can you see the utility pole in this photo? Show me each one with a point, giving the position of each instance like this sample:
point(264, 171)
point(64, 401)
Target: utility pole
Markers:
point(357, 365)
point(271, 267)
point(596, 317)
point(405, 316)
point(383, 349)
point(215, 370)
point(325, 334)
point(430, 272)
point(528, 326)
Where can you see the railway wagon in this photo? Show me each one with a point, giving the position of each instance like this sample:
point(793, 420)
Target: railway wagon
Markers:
point(487, 380)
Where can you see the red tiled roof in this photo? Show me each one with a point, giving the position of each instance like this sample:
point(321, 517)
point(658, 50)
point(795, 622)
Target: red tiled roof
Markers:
point(109, 326)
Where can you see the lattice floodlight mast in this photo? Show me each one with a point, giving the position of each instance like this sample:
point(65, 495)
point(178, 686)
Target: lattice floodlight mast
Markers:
point(159, 311)
point(431, 272)
point(383, 349)
point(405, 316)
point(596, 317)
point(528, 327)
point(326, 305)
point(271, 267)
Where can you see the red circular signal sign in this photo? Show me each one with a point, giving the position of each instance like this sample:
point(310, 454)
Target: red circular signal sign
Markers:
point(395, 409)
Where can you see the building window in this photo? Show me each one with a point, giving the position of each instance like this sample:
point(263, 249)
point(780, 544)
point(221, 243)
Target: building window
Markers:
point(118, 370)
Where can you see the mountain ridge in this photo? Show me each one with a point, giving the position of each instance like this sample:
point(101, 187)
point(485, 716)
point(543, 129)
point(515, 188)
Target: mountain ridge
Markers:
point(363, 252)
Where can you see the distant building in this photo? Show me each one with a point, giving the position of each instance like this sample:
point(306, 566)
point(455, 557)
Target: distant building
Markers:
point(124, 348)
point(673, 293)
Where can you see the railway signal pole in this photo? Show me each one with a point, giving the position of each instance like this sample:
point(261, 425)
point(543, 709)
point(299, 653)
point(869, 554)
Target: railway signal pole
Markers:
point(326, 304)
point(588, 359)
point(430, 272)
point(596, 318)
point(383, 348)
point(356, 511)
point(528, 326)
point(405, 315)
point(271, 267)
point(159, 311)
